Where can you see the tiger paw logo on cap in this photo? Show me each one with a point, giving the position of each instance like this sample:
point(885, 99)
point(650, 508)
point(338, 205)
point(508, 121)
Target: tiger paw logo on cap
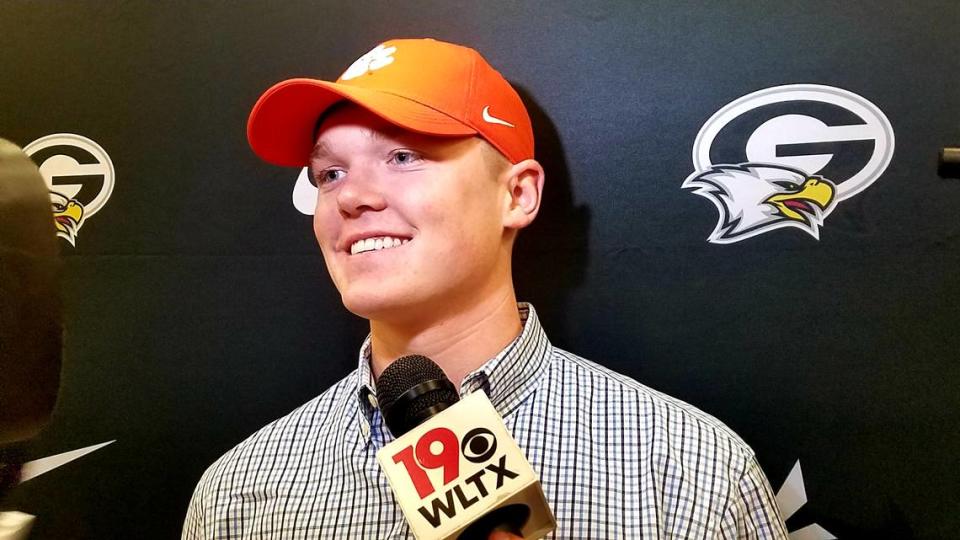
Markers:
point(377, 58)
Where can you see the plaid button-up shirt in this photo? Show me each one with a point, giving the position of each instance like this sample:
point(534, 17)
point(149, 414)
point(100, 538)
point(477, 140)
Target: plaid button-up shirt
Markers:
point(615, 458)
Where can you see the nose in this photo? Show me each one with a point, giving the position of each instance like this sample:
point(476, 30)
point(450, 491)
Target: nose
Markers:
point(360, 193)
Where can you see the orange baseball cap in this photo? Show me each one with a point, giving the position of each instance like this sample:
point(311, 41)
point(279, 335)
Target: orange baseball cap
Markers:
point(421, 85)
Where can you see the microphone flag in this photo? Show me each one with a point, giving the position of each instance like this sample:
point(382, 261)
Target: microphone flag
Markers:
point(458, 468)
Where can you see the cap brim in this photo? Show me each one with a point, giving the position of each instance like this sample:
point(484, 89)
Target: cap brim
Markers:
point(281, 124)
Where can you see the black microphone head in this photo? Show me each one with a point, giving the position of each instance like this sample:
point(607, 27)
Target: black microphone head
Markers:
point(411, 390)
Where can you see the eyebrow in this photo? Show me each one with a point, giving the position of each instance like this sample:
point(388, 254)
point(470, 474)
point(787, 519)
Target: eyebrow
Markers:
point(320, 150)
point(392, 133)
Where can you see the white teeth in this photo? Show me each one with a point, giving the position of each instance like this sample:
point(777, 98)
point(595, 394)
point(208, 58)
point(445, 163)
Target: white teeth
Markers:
point(377, 243)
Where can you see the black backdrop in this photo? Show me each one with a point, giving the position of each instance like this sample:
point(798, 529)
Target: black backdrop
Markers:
point(199, 308)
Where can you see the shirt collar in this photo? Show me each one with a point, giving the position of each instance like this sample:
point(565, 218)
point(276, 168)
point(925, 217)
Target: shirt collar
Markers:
point(507, 378)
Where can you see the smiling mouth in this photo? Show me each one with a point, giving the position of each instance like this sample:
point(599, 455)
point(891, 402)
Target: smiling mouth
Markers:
point(377, 243)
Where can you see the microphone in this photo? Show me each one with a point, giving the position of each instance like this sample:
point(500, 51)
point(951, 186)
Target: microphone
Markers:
point(454, 468)
point(31, 331)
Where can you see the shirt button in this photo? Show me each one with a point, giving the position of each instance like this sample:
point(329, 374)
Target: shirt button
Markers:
point(372, 400)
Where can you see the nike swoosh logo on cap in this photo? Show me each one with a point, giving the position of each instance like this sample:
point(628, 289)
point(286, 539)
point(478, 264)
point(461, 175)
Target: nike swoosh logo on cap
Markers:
point(493, 119)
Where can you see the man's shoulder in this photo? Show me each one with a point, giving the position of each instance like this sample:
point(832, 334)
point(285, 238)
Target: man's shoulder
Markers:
point(669, 420)
point(287, 434)
point(652, 449)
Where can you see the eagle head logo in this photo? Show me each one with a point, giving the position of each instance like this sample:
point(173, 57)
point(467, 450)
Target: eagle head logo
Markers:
point(754, 198)
point(67, 216)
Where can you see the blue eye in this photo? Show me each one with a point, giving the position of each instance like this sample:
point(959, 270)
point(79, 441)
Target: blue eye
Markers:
point(326, 176)
point(404, 157)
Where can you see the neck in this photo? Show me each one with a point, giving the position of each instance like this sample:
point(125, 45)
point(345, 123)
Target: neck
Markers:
point(459, 340)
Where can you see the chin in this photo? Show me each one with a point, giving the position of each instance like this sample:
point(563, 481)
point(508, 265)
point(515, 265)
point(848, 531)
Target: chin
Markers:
point(378, 305)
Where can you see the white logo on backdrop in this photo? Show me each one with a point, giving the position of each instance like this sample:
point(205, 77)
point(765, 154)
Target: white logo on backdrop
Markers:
point(774, 183)
point(35, 468)
point(304, 193)
point(790, 498)
point(80, 176)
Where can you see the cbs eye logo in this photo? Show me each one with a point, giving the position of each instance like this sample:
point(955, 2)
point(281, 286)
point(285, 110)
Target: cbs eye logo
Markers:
point(478, 445)
point(786, 156)
point(440, 449)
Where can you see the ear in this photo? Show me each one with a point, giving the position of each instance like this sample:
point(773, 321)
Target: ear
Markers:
point(524, 189)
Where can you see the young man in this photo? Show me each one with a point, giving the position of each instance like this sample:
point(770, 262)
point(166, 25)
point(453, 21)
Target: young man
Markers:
point(423, 159)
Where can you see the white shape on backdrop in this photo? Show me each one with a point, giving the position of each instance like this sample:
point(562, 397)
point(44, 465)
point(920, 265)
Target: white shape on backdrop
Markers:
point(812, 532)
point(789, 205)
point(79, 175)
point(304, 194)
point(754, 198)
point(798, 129)
point(792, 495)
point(33, 469)
point(790, 498)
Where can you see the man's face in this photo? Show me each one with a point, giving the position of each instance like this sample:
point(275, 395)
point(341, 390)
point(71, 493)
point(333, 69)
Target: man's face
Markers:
point(409, 225)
